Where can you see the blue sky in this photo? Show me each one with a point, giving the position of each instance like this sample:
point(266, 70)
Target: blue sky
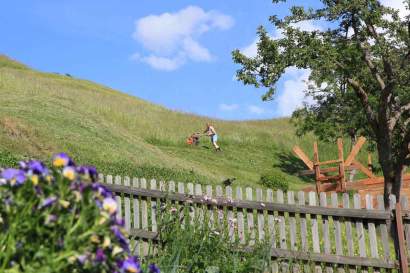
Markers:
point(173, 53)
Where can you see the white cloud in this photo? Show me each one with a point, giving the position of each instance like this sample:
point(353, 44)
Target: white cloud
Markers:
point(396, 4)
point(172, 38)
point(228, 107)
point(292, 96)
point(256, 110)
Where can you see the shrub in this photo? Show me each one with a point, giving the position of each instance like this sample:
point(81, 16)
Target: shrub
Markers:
point(274, 180)
point(60, 220)
point(197, 247)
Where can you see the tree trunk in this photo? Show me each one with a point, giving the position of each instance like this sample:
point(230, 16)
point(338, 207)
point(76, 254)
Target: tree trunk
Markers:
point(392, 184)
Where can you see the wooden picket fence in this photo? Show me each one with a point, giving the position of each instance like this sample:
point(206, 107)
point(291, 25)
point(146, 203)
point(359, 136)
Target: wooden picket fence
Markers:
point(329, 233)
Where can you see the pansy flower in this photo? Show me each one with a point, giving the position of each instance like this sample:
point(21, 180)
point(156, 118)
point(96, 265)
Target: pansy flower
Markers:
point(110, 205)
point(131, 265)
point(48, 202)
point(14, 176)
point(62, 160)
point(69, 173)
point(153, 269)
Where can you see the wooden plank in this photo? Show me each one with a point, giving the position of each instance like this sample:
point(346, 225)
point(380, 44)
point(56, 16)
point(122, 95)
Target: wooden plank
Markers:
point(372, 232)
point(360, 230)
point(117, 181)
point(249, 219)
point(383, 230)
point(199, 207)
point(328, 162)
point(331, 259)
point(292, 222)
point(144, 216)
point(136, 216)
point(363, 169)
point(326, 170)
point(100, 178)
point(211, 214)
point(325, 230)
point(154, 206)
point(230, 215)
point(405, 206)
point(136, 205)
point(271, 219)
point(127, 206)
point(314, 223)
point(404, 267)
point(372, 229)
point(342, 181)
point(220, 213)
point(282, 224)
point(299, 152)
point(355, 150)
point(318, 175)
point(261, 218)
point(241, 222)
point(245, 204)
point(109, 179)
point(182, 209)
point(303, 223)
point(337, 231)
point(190, 188)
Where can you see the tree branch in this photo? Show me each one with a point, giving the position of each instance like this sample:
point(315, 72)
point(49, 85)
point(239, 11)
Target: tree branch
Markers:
point(364, 99)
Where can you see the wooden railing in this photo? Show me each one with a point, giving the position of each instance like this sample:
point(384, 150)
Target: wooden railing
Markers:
point(308, 234)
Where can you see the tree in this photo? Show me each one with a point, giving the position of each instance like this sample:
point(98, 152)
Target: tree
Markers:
point(360, 67)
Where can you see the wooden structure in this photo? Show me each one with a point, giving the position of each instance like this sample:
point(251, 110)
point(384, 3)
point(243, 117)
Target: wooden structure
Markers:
point(332, 234)
point(337, 182)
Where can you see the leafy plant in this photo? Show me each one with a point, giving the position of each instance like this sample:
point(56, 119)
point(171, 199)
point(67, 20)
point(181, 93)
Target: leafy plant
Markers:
point(189, 245)
point(60, 220)
point(274, 180)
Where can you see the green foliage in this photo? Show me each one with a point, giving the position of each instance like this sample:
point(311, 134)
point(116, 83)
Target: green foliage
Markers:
point(197, 248)
point(275, 180)
point(8, 159)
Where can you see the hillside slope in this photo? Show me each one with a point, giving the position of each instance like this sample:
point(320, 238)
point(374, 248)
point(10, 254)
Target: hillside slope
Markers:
point(43, 113)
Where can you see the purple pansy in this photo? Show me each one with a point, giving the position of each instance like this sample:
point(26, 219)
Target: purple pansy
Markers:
point(153, 269)
point(62, 160)
point(99, 255)
point(101, 190)
point(89, 172)
point(48, 202)
point(14, 176)
point(121, 238)
point(131, 265)
point(37, 167)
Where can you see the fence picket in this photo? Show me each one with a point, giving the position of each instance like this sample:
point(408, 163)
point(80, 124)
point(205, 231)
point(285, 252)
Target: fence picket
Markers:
point(211, 214)
point(182, 210)
point(326, 232)
point(154, 207)
point(405, 206)
point(100, 178)
point(136, 215)
point(109, 179)
point(144, 216)
point(117, 181)
point(337, 231)
point(190, 188)
point(349, 232)
point(360, 230)
point(282, 229)
point(249, 218)
point(271, 219)
point(272, 228)
point(241, 222)
point(303, 230)
point(230, 215)
point(383, 230)
point(199, 208)
point(372, 232)
point(261, 218)
point(127, 206)
point(220, 213)
point(292, 222)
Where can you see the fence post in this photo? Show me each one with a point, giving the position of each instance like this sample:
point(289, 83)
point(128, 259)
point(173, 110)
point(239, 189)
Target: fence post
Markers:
point(404, 267)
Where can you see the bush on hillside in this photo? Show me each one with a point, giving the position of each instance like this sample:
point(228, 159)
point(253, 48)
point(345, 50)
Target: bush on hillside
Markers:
point(60, 220)
point(274, 180)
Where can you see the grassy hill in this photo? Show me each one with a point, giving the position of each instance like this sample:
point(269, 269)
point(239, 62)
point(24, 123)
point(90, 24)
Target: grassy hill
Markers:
point(44, 113)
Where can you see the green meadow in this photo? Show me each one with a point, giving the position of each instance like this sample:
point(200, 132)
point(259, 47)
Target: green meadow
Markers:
point(44, 113)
